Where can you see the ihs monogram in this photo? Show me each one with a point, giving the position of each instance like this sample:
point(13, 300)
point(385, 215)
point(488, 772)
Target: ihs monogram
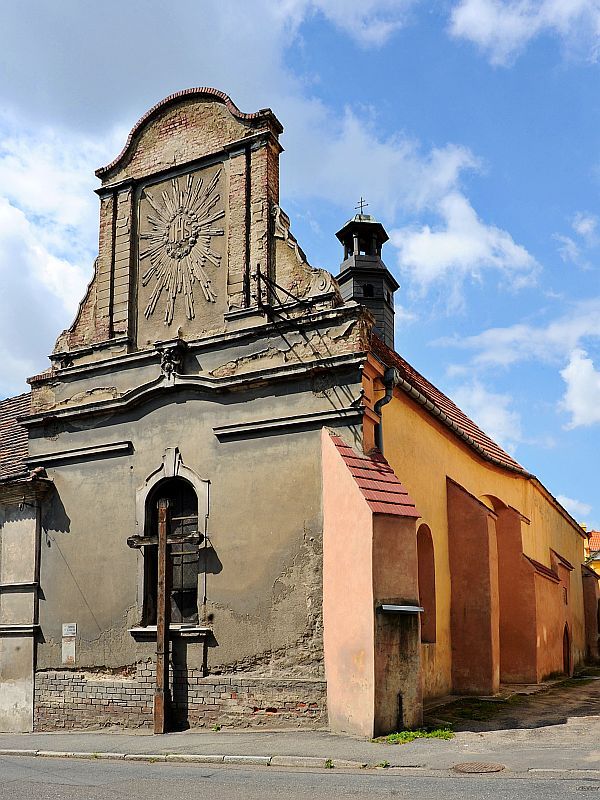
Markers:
point(182, 228)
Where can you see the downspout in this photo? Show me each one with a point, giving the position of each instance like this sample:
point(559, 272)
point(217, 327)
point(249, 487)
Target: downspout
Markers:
point(390, 379)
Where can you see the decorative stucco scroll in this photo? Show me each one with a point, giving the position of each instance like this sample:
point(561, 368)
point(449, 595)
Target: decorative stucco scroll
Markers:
point(181, 228)
point(293, 270)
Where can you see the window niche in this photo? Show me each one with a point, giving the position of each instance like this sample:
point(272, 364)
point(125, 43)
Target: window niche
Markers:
point(426, 569)
point(188, 495)
point(183, 560)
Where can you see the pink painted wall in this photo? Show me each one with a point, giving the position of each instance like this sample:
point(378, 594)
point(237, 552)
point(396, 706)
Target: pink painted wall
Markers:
point(348, 619)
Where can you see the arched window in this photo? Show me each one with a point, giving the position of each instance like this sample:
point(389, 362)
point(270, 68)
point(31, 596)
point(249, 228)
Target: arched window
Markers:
point(183, 556)
point(426, 566)
point(368, 290)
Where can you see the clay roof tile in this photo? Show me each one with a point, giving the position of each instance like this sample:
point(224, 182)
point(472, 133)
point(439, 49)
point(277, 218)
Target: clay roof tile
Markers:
point(377, 481)
point(452, 415)
point(13, 437)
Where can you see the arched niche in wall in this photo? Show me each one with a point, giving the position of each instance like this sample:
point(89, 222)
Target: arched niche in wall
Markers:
point(172, 467)
point(188, 494)
point(426, 569)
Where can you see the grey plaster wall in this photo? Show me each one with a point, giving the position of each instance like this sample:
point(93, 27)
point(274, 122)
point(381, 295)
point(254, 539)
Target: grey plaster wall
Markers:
point(16, 684)
point(17, 564)
point(265, 585)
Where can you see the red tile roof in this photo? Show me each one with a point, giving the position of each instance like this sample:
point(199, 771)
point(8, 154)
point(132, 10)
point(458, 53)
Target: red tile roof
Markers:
point(13, 437)
point(377, 481)
point(444, 409)
point(594, 541)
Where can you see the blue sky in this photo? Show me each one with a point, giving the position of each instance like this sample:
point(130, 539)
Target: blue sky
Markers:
point(470, 126)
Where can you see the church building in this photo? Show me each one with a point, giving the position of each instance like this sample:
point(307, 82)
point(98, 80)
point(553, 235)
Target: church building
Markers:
point(230, 500)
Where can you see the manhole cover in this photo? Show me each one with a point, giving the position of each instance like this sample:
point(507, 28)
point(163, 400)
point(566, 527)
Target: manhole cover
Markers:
point(477, 767)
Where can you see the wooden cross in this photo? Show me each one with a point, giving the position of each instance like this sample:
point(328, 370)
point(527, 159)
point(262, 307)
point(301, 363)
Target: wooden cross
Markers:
point(361, 205)
point(163, 609)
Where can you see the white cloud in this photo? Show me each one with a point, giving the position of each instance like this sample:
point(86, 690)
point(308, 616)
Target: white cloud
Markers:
point(462, 247)
point(568, 249)
point(576, 508)
point(582, 396)
point(39, 291)
point(552, 342)
point(585, 225)
point(491, 411)
point(502, 28)
point(370, 22)
point(404, 316)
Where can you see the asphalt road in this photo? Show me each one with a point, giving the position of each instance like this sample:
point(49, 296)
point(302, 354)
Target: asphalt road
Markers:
point(23, 778)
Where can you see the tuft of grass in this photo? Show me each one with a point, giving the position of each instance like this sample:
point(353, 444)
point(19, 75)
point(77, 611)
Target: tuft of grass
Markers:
point(404, 737)
point(383, 764)
point(216, 728)
point(329, 764)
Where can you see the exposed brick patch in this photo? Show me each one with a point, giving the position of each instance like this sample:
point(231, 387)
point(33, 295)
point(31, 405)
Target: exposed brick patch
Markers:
point(265, 115)
point(68, 700)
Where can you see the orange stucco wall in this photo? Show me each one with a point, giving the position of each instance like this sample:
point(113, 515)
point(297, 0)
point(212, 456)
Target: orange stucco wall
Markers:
point(550, 627)
point(424, 453)
point(474, 603)
point(348, 621)
point(517, 602)
point(591, 595)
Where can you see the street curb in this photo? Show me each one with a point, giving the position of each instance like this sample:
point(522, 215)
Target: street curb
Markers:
point(264, 761)
point(582, 773)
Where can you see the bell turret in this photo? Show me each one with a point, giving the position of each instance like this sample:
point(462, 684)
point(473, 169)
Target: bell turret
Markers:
point(363, 275)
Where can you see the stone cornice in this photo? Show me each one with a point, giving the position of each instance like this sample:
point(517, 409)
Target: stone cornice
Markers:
point(204, 384)
point(265, 329)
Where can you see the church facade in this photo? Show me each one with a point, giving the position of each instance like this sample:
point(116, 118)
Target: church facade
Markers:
point(341, 541)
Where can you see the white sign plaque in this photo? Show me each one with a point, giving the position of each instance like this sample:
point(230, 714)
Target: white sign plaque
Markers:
point(69, 629)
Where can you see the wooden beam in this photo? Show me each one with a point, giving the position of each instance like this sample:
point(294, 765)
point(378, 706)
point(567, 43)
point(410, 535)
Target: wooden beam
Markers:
point(161, 692)
point(137, 541)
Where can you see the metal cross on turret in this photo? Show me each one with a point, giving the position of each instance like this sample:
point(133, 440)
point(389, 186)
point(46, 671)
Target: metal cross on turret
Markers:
point(361, 205)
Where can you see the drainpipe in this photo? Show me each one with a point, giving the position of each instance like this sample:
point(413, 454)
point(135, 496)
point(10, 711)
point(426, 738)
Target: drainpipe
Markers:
point(390, 379)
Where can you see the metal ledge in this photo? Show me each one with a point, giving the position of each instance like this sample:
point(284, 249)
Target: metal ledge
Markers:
point(18, 630)
point(18, 586)
point(387, 608)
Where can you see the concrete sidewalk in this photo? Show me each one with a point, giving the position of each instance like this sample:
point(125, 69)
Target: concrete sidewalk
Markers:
point(553, 748)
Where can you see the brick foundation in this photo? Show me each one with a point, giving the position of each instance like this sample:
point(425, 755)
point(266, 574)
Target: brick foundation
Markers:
point(66, 699)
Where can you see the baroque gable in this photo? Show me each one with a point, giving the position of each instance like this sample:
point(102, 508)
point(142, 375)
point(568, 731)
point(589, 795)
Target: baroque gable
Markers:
point(189, 219)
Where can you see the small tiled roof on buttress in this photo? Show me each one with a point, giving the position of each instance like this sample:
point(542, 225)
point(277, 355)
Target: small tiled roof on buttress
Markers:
point(13, 437)
point(451, 414)
point(377, 481)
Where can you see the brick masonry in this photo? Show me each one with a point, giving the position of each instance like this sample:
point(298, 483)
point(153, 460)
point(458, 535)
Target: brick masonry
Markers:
point(66, 699)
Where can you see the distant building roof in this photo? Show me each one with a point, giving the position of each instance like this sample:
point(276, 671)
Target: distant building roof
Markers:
point(594, 541)
point(377, 481)
point(445, 410)
point(13, 437)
